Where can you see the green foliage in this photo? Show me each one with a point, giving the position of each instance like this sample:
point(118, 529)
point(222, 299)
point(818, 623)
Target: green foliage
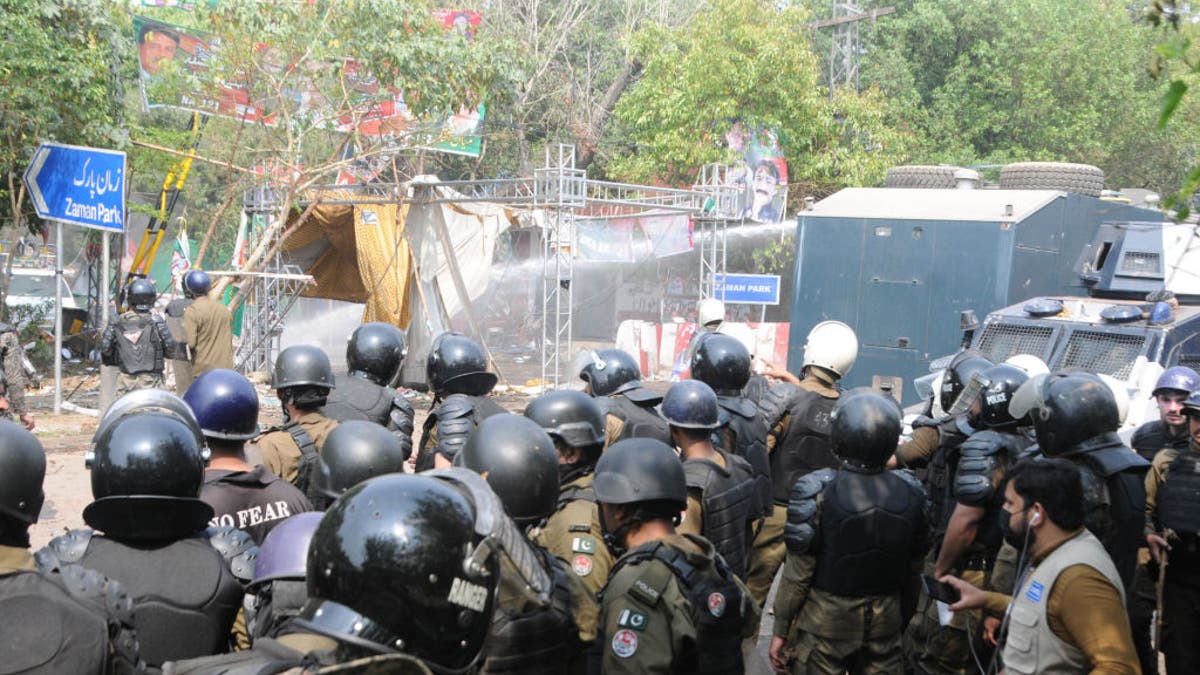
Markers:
point(746, 61)
point(1175, 61)
point(996, 81)
point(57, 64)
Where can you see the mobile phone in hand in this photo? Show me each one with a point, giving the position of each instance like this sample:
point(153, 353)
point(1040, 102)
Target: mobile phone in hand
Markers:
point(939, 590)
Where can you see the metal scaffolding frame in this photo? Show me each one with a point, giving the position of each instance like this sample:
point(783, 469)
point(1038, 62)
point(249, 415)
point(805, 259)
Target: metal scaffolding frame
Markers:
point(566, 195)
point(271, 292)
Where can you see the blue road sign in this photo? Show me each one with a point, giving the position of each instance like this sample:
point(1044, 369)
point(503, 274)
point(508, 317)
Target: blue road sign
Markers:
point(748, 289)
point(84, 186)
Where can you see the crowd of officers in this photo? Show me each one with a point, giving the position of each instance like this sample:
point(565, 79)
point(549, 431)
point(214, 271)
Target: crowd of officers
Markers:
point(612, 529)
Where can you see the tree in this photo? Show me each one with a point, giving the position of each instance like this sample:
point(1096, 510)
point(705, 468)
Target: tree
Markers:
point(745, 62)
point(58, 61)
point(316, 81)
point(996, 81)
point(1175, 61)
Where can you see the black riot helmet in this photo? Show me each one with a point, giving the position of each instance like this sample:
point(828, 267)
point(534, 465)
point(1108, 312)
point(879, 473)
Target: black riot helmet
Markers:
point(570, 417)
point(396, 565)
point(302, 365)
point(640, 470)
point(1067, 408)
point(22, 468)
point(986, 397)
point(377, 351)
point(140, 295)
point(353, 452)
point(722, 362)
point(519, 462)
point(147, 467)
point(611, 371)
point(958, 374)
point(865, 430)
point(457, 365)
point(691, 404)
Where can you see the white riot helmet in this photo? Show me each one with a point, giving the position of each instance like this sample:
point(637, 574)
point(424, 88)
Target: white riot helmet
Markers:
point(1121, 393)
point(710, 313)
point(742, 333)
point(831, 345)
point(1032, 365)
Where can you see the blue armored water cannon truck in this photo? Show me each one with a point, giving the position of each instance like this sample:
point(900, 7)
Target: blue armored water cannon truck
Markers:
point(1057, 269)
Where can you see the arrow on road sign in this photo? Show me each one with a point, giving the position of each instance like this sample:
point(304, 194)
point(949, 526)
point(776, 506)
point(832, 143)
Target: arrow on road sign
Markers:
point(84, 186)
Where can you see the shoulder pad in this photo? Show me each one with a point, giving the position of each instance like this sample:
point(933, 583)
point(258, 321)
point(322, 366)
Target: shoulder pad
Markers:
point(402, 403)
point(642, 395)
point(983, 459)
point(94, 588)
point(925, 421)
point(777, 402)
point(909, 478)
point(65, 549)
point(800, 531)
point(236, 547)
point(454, 405)
point(654, 576)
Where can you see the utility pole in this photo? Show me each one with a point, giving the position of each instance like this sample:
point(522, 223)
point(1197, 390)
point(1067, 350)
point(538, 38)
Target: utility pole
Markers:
point(846, 46)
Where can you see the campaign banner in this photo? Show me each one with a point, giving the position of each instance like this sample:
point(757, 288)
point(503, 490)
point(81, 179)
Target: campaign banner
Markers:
point(762, 172)
point(370, 109)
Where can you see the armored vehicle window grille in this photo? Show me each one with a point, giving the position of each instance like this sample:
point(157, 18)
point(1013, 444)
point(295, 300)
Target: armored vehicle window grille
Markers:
point(1000, 341)
point(1140, 262)
point(1190, 360)
point(1098, 352)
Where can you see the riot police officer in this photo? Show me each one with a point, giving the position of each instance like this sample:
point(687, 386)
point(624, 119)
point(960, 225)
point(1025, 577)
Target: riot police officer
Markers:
point(972, 537)
point(186, 581)
point(575, 423)
point(353, 452)
point(374, 356)
point(12, 378)
point(278, 590)
point(53, 618)
point(1075, 417)
point(243, 496)
point(935, 440)
point(614, 379)
point(137, 341)
point(838, 604)
point(1170, 394)
point(671, 603)
point(456, 369)
point(302, 380)
point(396, 598)
point(519, 463)
point(208, 324)
point(1172, 531)
point(721, 496)
point(798, 418)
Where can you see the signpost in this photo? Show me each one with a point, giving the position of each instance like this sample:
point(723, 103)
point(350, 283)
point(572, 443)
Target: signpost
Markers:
point(80, 186)
point(748, 289)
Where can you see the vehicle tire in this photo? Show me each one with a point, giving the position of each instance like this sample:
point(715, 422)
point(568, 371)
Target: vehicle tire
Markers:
point(918, 176)
point(1083, 179)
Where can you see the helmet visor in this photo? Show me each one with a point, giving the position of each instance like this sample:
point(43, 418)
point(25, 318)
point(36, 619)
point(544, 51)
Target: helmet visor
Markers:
point(1028, 397)
point(971, 393)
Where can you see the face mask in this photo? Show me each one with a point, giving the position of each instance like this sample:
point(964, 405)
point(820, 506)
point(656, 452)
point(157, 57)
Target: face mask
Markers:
point(1014, 538)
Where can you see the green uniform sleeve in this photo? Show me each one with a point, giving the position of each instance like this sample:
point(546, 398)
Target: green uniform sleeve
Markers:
point(1154, 480)
point(793, 591)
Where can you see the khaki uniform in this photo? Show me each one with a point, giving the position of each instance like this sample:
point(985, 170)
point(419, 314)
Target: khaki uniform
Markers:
point(209, 327)
point(648, 624)
point(768, 551)
point(14, 375)
point(944, 650)
point(127, 383)
point(573, 534)
point(830, 634)
point(281, 455)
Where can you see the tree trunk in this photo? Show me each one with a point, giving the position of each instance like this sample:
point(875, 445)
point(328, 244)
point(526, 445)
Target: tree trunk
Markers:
point(600, 117)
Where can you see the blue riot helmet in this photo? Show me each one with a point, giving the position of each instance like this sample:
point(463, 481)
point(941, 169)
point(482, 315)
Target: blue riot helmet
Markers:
point(196, 283)
point(1177, 378)
point(225, 404)
point(691, 404)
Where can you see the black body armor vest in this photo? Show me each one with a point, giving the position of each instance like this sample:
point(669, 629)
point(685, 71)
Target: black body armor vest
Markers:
point(806, 445)
point(870, 524)
point(745, 435)
point(728, 501)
